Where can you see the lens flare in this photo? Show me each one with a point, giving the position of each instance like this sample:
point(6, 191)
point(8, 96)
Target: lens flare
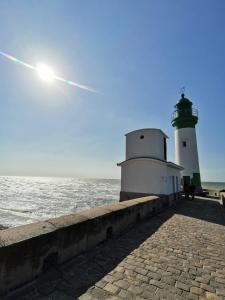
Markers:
point(46, 73)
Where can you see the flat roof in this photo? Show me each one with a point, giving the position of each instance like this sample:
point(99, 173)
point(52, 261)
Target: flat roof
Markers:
point(173, 165)
point(147, 129)
point(168, 163)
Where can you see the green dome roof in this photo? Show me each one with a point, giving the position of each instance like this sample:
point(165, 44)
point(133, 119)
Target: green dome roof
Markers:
point(183, 103)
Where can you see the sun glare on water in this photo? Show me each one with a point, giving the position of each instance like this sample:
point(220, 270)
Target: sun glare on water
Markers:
point(45, 73)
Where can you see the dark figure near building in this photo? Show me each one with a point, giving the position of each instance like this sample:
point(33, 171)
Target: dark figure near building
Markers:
point(186, 190)
point(192, 191)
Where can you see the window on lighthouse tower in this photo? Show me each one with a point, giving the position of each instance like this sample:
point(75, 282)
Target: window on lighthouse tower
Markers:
point(184, 144)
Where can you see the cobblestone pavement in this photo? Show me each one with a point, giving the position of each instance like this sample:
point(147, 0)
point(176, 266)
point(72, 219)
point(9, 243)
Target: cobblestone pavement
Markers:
point(179, 254)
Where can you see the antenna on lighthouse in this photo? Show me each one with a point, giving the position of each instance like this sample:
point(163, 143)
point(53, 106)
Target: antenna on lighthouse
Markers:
point(182, 90)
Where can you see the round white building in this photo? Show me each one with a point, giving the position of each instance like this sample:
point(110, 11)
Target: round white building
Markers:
point(146, 170)
point(186, 152)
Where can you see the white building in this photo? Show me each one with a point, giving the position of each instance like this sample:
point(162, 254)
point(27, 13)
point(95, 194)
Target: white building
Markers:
point(146, 170)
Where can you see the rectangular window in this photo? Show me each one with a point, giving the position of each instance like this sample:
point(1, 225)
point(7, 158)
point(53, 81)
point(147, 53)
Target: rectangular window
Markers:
point(184, 144)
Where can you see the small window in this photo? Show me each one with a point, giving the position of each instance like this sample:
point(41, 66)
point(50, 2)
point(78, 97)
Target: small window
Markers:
point(141, 137)
point(184, 143)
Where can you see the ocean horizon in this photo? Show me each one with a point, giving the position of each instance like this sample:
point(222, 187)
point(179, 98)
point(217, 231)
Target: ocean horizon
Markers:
point(25, 199)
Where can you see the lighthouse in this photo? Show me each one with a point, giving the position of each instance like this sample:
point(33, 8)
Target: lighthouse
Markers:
point(184, 120)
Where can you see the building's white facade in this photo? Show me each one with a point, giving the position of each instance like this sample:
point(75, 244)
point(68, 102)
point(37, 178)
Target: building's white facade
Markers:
point(186, 151)
point(146, 170)
point(145, 143)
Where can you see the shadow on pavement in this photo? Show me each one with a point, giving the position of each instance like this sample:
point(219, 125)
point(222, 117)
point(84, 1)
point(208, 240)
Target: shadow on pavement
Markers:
point(206, 209)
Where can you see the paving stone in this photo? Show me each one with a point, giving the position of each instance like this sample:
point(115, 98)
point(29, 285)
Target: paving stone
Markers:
point(220, 292)
point(109, 278)
point(120, 269)
point(182, 286)
point(129, 273)
point(207, 287)
point(174, 271)
point(192, 296)
point(212, 296)
point(166, 295)
point(46, 288)
point(202, 279)
point(149, 295)
point(141, 271)
point(157, 283)
point(218, 274)
point(172, 289)
point(111, 288)
point(168, 280)
point(118, 275)
point(136, 290)
point(151, 268)
point(122, 284)
point(58, 295)
point(101, 283)
point(154, 275)
point(150, 288)
point(196, 290)
point(125, 294)
point(142, 278)
point(217, 284)
point(194, 283)
point(86, 297)
point(220, 280)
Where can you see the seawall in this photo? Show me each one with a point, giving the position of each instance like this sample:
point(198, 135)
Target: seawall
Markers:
point(26, 251)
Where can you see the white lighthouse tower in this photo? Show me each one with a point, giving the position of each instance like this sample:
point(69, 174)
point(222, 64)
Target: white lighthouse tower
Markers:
point(146, 170)
point(186, 152)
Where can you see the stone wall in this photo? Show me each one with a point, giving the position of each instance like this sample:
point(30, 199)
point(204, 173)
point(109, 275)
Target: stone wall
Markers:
point(26, 251)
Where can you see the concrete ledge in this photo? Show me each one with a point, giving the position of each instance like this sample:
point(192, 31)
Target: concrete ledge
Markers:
point(28, 250)
point(214, 193)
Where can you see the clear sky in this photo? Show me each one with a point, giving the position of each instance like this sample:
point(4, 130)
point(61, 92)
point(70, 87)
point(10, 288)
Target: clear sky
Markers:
point(137, 54)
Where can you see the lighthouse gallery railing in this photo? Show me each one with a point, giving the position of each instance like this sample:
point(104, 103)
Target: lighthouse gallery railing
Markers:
point(178, 113)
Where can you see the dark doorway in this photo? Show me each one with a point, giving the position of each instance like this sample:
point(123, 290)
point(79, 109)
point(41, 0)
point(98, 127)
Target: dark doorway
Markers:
point(165, 149)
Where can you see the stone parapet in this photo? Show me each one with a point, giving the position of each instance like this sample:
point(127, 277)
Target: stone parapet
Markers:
point(131, 195)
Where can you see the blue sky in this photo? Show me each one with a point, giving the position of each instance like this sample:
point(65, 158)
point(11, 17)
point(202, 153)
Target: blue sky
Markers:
point(137, 54)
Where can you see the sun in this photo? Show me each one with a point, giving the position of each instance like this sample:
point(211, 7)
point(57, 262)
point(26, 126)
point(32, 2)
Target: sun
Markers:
point(45, 72)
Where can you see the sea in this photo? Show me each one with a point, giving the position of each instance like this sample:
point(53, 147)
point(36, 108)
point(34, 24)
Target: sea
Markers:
point(26, 200)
